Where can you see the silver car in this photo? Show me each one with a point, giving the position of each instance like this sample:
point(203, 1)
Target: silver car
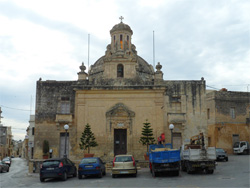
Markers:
point(124, 164)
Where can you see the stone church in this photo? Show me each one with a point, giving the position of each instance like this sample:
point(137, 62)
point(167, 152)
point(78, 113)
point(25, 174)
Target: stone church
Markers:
point(117, 95)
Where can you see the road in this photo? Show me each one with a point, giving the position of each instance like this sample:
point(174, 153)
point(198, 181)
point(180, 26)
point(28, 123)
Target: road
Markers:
point(234, 173)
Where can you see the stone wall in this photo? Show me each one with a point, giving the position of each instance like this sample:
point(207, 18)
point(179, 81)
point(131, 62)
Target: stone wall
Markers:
point(221, 125)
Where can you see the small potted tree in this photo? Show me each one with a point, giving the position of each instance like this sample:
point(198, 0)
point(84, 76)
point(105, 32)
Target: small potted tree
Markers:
point(147, 137)
point(45, 149)
point(87, 140)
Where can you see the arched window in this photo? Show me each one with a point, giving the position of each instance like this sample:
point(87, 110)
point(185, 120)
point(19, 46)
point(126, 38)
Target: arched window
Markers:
point(121, 42)
point(120, 70)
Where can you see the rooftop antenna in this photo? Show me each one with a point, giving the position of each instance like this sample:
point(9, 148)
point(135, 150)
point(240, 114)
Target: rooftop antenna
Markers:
point(154, 48)
point(88, 49)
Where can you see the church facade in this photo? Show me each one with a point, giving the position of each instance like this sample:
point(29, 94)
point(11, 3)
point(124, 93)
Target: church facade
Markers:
point(118, 94)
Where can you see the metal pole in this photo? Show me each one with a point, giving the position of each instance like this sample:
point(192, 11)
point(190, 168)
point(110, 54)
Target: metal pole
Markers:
point(65, 154)
point(88, 49)
point(154, 49)
point(172, 138)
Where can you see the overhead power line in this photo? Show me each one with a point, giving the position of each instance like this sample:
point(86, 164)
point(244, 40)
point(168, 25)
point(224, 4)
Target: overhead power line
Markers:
point(14, 108)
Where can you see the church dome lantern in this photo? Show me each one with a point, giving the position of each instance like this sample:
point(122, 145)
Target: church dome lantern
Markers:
point(121, 36)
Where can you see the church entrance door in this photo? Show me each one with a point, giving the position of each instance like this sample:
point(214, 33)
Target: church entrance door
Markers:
point(120, 141)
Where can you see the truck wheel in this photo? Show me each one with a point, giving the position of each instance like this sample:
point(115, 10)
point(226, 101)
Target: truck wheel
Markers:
point(210, 171)
point(189, 171)
point(183, 168)
point(79, 176)
point(176, 173)
point(154, 174)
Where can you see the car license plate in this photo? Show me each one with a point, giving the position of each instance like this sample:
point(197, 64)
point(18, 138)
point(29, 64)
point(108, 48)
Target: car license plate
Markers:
point(165, 165)
point(50, 168)
point(88, 166)
point(123, 172)
point(202, 164)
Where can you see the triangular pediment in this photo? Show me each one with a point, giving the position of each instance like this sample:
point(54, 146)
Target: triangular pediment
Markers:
point(120, 110)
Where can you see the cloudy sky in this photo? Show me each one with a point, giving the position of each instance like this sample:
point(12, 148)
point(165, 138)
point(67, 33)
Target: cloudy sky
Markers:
point(48, 39)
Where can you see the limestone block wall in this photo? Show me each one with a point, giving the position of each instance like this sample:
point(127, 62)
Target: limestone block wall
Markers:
point(92, 105)
point(185, 107)
point(48, 126)
point(222, 125)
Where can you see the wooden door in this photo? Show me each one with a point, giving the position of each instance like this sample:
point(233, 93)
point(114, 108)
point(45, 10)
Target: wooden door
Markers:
point(120, 141)
point(236, 138)
point(177, 140)
point(62, 144)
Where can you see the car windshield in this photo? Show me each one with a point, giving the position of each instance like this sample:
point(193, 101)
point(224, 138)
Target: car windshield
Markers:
point(50, 163)
point(87, 161)
point(123, 159)
point(5, 159)
point(219, 150)
point(236, 144)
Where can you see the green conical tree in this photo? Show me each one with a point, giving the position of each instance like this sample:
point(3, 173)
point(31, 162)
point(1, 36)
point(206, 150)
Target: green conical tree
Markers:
point(87, 139)
point(147, 135)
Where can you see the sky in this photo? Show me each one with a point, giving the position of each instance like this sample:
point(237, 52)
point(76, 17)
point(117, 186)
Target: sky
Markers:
point(48, 39)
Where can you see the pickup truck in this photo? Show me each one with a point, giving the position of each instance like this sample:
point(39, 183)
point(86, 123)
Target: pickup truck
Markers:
point(196, 157)
point(241, 147)
point(162, 158)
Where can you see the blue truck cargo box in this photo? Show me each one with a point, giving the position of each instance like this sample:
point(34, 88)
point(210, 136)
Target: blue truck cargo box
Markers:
point(169, 156)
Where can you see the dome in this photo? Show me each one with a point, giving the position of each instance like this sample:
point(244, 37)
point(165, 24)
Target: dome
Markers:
point(144, 70)
point(121, 27)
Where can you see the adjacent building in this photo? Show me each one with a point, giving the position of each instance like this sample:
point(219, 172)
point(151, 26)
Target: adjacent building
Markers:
point(118, 94)
point(30, 135)
point(228, 118)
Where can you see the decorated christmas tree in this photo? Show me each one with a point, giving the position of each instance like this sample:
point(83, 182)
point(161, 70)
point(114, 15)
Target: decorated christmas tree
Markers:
point(87, 139)
point(147, 135)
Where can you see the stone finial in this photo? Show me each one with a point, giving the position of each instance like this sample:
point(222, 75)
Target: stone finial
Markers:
point(158, 67)
point(158, 74)
point(82, 75)
point(82, 67)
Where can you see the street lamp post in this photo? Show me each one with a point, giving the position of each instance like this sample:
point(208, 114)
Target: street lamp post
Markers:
point(171, 127)
point(66, 127)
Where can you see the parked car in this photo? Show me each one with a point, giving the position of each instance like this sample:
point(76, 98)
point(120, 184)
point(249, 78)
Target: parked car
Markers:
point(91, 166)
point(124, 164)
point(4, 167)
point(7, 160)
point(221, 154)
point(57, 168)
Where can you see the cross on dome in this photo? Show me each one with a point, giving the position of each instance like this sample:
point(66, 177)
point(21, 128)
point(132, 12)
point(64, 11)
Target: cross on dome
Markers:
point(121, 18)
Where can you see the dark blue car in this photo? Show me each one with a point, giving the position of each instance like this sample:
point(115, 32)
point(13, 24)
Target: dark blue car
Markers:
point(57, 168)
point(91, 166)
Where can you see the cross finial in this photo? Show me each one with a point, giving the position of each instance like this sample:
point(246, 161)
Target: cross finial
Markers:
point(121, 18)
